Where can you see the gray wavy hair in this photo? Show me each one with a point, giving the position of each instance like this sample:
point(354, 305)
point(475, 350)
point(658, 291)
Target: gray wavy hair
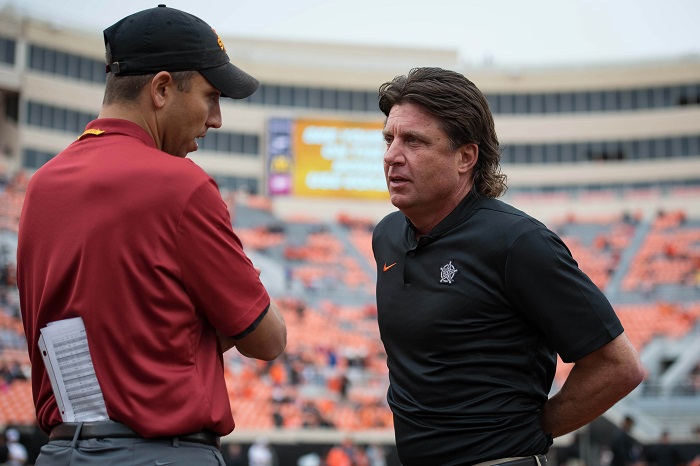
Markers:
point(464, 115)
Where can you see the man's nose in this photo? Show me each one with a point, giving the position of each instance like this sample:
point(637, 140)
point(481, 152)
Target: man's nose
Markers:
point(215, 119)
point(392, 155)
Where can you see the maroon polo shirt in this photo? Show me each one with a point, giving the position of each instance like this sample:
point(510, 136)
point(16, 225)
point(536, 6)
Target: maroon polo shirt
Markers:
point(139, 244)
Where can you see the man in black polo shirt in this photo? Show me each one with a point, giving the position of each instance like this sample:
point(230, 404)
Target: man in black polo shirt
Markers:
point(476, 298)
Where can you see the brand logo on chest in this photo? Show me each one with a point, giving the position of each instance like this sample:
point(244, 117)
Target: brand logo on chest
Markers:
point(447, 273)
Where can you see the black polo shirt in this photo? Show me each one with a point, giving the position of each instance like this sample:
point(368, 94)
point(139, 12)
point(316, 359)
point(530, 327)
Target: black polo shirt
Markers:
point(472, 317)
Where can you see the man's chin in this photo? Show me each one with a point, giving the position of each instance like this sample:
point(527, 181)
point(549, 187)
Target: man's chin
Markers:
point(400, 202)
point(185, 152)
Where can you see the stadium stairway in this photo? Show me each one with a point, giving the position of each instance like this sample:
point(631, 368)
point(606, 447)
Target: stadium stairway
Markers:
point(343, 234)
point(272, 273)
point(614, 285)
point(687, 358)
point(677, 292)
point(657, 401)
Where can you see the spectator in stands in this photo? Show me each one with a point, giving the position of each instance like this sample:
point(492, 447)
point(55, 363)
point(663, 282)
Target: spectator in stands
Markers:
point(626, 451)
point(16, 451)
point(277, 419)
point(570, 455)
point(122, 230)
point(34, 441)
point(310, 459)
point(261, 453)
point(312, 418)
point(475, 298)
point(232, 453)
point(346, 454)
point(694, 453)
point(4, 453)
point(664, 453)
point(300, 310)
point(376, 454)
point(12, 371)
point(344, 386)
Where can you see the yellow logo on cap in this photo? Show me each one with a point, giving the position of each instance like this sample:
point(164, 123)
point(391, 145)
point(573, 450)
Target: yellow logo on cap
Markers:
point(95, 132)
point(218, 39)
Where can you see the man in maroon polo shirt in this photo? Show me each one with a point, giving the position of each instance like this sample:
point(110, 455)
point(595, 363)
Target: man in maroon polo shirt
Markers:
point(123, 231)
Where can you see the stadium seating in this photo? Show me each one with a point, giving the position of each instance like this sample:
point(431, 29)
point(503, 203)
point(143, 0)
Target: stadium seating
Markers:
point(333, 373)
point(670, 255)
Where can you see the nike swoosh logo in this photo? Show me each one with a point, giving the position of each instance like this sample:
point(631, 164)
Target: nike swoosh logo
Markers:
point(387, 267)
point(162, 463)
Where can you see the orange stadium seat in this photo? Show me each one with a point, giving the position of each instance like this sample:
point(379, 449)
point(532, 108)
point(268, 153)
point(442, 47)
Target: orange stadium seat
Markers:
point(16, 405)
point(260, 238)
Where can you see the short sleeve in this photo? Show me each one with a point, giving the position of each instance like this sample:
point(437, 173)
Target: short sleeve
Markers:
point(218, 275)
point(546, 285)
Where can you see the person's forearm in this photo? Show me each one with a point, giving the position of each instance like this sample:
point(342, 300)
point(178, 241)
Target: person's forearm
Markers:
point(579, 402)
point(595, 383)
point(268, 340)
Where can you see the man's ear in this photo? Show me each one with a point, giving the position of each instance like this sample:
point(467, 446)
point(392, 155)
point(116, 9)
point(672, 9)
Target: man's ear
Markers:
point(469, 155)
point(161, 86)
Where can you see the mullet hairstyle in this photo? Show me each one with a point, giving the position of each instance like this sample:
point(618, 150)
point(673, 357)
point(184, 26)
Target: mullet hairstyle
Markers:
point(463, 113)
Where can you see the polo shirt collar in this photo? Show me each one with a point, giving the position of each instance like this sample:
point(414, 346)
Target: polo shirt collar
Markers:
point(458, 216)
point(118, 126)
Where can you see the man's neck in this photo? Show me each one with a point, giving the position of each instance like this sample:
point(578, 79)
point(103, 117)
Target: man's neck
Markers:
point(132, 113)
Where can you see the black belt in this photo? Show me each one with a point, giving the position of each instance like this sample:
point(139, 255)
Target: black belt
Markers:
point(111, 429)
point(537, 460)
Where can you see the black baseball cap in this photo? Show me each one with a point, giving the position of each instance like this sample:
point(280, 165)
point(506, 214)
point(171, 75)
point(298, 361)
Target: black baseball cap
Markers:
point(166, 39)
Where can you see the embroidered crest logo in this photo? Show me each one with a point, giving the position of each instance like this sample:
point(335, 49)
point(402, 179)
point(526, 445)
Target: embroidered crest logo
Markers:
point(447, 273)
